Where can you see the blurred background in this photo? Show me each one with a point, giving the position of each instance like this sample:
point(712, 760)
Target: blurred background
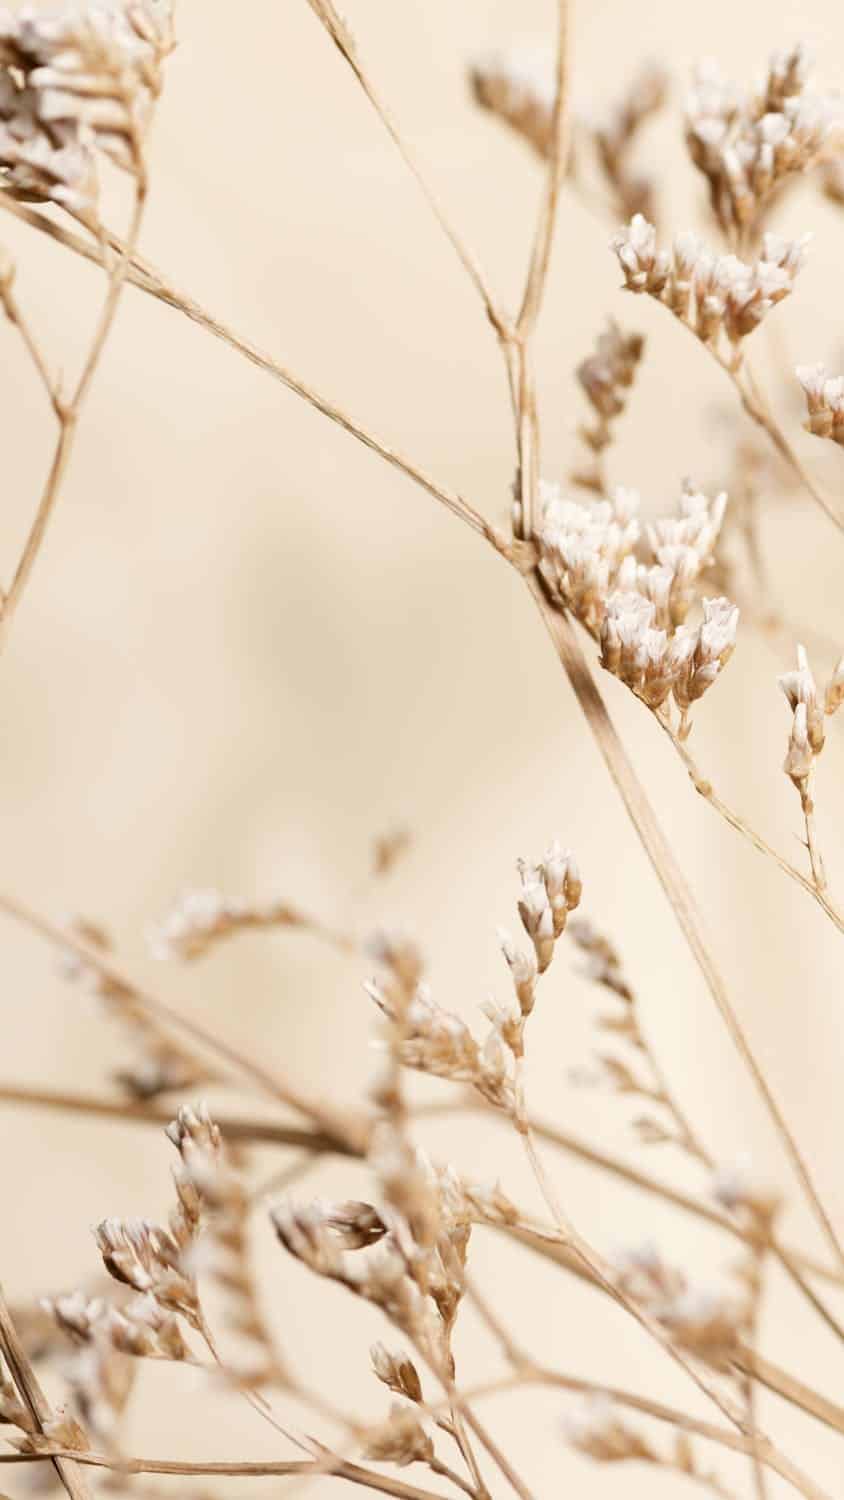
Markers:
point(249, 649)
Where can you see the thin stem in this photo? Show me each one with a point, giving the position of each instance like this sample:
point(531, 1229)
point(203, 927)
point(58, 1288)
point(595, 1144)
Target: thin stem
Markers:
point(239, 1128)
point(726, 1437)
point(68, 413)
point(759, 411)
point(763, 1445)
point(338, 30)
point(555, 176)
point(703, 786)
point(807, 805)
point(290, 1468)
point(36, 1402)
point(14, 313)
point(458, 1401)
point(145, 277)
point(348, 1129)
point(782, 1382)
point(672, 881)
point(438, 1467)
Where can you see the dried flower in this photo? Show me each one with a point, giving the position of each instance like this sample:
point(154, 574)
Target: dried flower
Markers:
point(824, 402)
point(834, 695)
point(704, 1322)
point(615, 137)
point(720, 297)
point(748, 145)
point(605, 377)
point(637, 610)
point(600, 1433)
point(737, 1188)
point(77, 79)
point(149, 1258)
point(519, 88)
point(799, 688)
point(397, 1372)
point(400, 1440)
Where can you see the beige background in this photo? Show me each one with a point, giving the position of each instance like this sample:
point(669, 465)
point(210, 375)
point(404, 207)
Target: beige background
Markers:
point(249, 648)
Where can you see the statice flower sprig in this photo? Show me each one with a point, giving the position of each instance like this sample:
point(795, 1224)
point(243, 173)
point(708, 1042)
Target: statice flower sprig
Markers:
point(721, 298)
point(749, 144)
point(638, 610)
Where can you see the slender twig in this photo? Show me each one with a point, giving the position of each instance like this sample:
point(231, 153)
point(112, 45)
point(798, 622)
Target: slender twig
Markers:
point(68, 412)
point(574, 663)
point(315, 1142)
point(673, 882)
point(346, 1127)
point(558, 159)
point(278, 1468)
point(726, 1437)
point(759, 411)
point(338, 29)
point(703, 786)
point(782, 1382)
point(767, 1451)
point(36, 1402)
point(807, 807)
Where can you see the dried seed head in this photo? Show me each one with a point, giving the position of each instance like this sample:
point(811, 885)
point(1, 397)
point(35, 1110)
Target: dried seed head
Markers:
point(519, 88)
point(600, 1432)
point(799, 687)
point(635, 610)
point(747, 144)
point(523, 971)
point(436, 1041)
point(824, 402)
point(355, 1224)
point(800, 756)
point(202, 917)
point(75, 80)
point(148, 1258)
point(145, 1329)
point(704, 1322)
point(400, 1440)
point(603, 962)
point(537, 916)
point(397, 1372)
point(834, 696)
point(75, 1314)
point(645, 268)
point(605, 377)
point(717, 296)
point(737, 1188)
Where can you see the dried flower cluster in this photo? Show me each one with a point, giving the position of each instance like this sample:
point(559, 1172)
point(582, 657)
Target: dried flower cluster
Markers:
point(601, 1432)
point(77, 80)
point(824, 402)
point(160, 1063)
point(638, 611)
point(705, 1322)
point(77, 84)
point(721, 298)
point(747, 145)
point(605, 377)
point(614, 138)
point(518, 87)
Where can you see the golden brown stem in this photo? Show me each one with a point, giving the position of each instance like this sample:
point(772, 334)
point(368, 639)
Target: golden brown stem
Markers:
point(36, 1402)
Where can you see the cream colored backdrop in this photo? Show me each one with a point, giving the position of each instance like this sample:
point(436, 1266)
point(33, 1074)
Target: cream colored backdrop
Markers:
point(249, 648)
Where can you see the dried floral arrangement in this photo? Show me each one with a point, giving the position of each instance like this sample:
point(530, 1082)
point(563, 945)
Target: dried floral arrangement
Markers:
point(638, 599)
